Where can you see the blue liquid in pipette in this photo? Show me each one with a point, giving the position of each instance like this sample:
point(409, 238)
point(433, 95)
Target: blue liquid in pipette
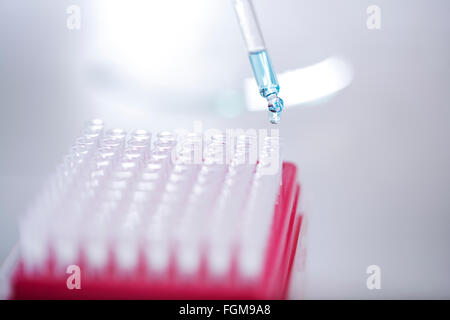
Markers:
point(267, 83)
point(264, 75)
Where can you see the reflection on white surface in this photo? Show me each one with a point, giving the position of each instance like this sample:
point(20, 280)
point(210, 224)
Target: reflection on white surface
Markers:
point(304, 84)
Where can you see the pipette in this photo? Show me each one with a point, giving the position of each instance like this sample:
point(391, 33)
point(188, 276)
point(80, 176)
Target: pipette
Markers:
point(265, 76)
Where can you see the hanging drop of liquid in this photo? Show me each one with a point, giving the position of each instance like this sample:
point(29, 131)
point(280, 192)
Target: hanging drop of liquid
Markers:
point(275, 105)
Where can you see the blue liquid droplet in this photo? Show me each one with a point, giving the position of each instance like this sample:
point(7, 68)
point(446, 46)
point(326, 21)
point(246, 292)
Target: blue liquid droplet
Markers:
point(275, 107)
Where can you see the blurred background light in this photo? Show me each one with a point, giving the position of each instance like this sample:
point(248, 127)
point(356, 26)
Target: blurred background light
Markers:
point(152, 38)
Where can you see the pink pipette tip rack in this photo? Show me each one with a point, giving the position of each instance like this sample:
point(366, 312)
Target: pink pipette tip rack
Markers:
point(139, 223)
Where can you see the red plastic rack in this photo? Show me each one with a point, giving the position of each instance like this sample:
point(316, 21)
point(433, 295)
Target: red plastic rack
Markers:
point(272, 284)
